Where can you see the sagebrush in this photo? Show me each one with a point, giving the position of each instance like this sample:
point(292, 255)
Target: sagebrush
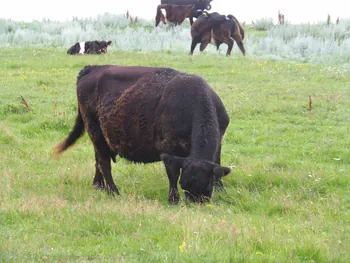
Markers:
point(308, 42)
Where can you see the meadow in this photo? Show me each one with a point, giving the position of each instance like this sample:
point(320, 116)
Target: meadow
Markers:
point(286, 200)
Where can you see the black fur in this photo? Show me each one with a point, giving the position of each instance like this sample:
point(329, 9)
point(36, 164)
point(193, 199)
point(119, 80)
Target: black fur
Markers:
point(90, 47)
point(148, 114)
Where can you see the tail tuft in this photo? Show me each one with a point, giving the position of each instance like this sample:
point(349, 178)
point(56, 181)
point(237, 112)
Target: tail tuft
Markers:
point(74, 135)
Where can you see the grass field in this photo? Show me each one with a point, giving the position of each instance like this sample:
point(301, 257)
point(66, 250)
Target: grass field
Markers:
point(286, 200)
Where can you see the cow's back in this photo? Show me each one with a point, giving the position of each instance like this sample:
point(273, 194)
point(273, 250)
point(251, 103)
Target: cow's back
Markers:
point(206, 22)
point(144, 111)
point(123, 101)
point(129, 122)
point(99, 86)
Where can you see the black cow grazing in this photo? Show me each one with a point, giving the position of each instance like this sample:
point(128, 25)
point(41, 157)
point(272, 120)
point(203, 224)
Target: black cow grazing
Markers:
point(89, 47)
point(148, 114)
point(217, 29)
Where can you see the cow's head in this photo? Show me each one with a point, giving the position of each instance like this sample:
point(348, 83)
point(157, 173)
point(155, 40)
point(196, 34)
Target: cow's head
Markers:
point(197, 12)
point(197, 176)
point(160, 17)
point(188, 9)
point(103, 46)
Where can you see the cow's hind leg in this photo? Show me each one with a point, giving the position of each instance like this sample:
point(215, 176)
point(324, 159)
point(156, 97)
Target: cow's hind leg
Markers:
point(196, 40)
point(205, 41)
point(203, 45)
point(104, 165)
point(98, 182)
point(218, 43)
point(194, 43)
point(102, 157)
point(229, 42)
point(239, 42)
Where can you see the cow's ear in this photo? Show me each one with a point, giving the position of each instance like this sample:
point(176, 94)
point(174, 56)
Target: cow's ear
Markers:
point(109, 42)
point(221, 171)
point(171, 160)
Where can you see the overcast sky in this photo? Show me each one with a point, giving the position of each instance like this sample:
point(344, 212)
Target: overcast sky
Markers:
point(295, 11)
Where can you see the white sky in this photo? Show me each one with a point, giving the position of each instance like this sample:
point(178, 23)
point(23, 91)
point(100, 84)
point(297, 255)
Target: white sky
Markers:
point(295, 11)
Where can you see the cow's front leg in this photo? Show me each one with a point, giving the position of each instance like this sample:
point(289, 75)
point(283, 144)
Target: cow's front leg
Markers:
point(172, 167)
point(173, 176)
point(173, 196)
point(239, 42)
point(229, 42)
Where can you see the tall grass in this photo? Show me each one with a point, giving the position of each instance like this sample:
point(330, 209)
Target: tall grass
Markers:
point(306, 42)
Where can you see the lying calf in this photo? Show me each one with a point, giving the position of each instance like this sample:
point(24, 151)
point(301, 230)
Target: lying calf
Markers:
point(89, 47)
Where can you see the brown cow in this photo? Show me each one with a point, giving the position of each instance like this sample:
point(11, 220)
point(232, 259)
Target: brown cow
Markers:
point(148, 114)
point(217, 29)
point(175, 14)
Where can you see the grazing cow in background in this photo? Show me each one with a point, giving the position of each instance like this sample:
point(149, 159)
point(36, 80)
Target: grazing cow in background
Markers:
point(217, 29)
point(175, 14)
point(149, 114)
point(199, 4)
point(89, 47)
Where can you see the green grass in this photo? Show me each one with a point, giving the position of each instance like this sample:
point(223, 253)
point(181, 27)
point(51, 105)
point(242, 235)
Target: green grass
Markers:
point(287, 199)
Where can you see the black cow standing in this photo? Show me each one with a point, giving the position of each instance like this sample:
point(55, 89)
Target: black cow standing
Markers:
point(148, 114)
point(213, 28)
point(89, 47)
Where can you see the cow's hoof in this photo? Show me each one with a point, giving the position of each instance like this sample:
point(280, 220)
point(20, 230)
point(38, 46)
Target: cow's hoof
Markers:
point(112, 190)
point(173, 201)
point(113, 193)
point(174, 197)
point(99, 186)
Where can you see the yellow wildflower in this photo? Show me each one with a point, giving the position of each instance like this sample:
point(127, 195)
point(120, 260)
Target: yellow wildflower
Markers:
point(182, 247)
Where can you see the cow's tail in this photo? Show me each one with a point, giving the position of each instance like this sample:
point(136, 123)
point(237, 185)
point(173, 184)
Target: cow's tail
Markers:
point(75, 134)
point(241, 30)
